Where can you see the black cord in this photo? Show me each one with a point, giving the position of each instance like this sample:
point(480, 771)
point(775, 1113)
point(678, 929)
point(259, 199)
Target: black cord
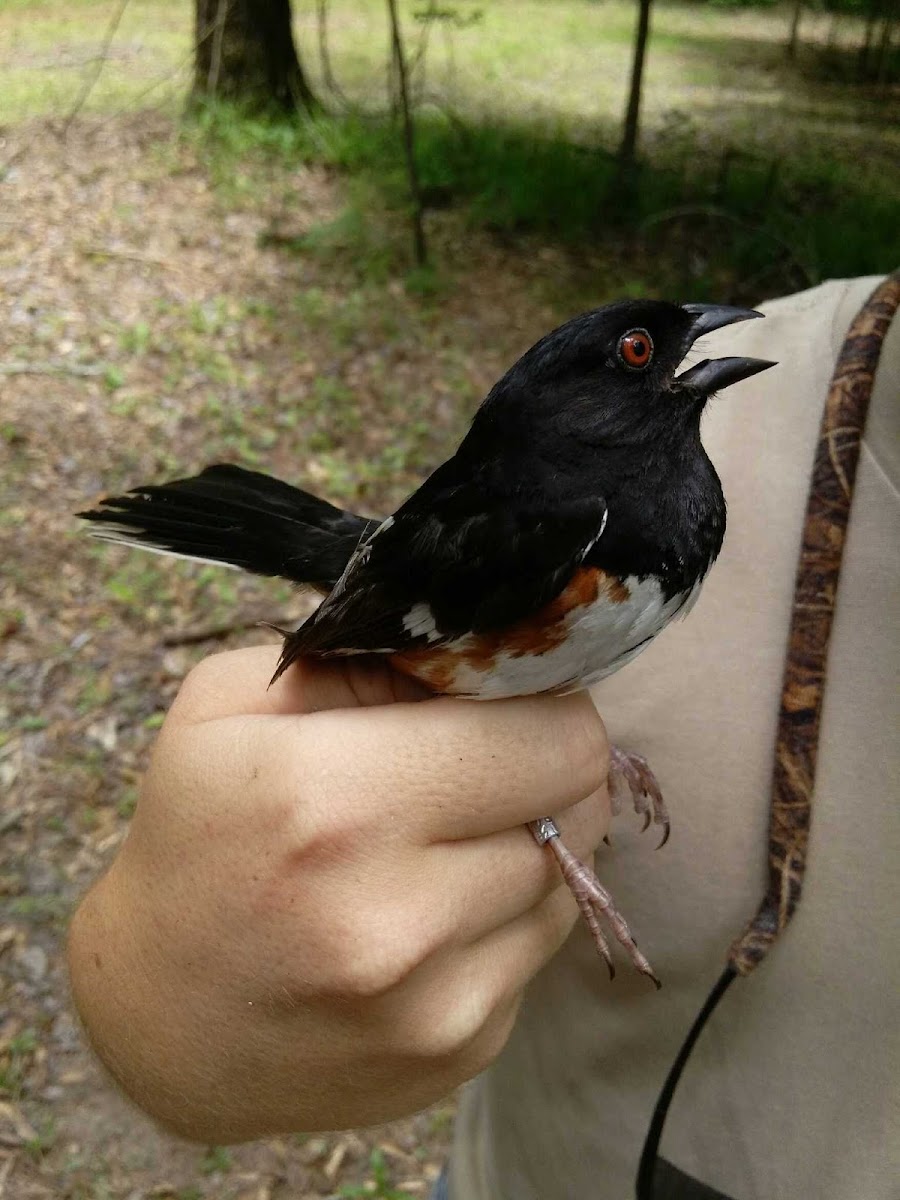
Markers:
point(647, 1166)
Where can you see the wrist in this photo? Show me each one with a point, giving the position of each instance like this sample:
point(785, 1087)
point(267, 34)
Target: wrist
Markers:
point(140, 1023)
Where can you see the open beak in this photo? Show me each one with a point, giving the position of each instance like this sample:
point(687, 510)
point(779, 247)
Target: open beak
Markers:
point(713, 374)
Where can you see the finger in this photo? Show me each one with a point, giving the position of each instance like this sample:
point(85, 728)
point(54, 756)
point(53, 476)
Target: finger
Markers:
point(449, 769)
point(238, 682)
point(452, 998)
point(485, 883)
point(509, 958)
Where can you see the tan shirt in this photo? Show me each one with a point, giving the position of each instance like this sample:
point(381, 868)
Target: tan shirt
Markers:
point(793, 1092)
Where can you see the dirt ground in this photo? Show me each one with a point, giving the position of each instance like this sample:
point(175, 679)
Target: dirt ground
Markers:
point(150, 323)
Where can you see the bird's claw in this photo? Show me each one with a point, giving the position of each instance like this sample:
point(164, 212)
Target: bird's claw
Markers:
point(595, 901)
point(630, 775)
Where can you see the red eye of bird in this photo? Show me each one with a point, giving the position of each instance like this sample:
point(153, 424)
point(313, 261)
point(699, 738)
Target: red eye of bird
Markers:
point(636, 348)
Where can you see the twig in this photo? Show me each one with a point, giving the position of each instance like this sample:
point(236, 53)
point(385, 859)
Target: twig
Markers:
point(628, 147)
point(135, 256)
point(51, 368)
point(215, 58)
point(417, 58)
point(216, 633)
point(88, 85)
point(408, 137)
point(14, 158)
point(5, 1172)
point(328, 77)
point(184, 65)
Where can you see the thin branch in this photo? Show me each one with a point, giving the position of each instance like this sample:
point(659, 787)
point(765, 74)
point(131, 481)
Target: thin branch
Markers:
point(137, 256)
point(328, 76)
point(628, 148)
point(217, 633)
point(14, 157)
point(80, 370)
point(417, 58)
point(409, 144)
point(88, 86)
point(215, 58)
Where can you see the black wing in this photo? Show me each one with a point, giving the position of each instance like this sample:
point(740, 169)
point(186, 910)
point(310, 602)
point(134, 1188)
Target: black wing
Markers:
point(452, 560)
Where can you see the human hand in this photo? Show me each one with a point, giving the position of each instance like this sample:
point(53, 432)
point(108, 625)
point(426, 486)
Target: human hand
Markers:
point(326, 908)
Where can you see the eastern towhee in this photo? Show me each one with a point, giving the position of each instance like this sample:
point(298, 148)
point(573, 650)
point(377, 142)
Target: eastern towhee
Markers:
point(579, 515)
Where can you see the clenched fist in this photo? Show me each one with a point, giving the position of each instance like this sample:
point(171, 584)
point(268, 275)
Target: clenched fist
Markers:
point(327, 906)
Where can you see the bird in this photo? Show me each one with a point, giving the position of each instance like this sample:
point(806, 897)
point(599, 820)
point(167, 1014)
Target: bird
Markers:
point(579, 515)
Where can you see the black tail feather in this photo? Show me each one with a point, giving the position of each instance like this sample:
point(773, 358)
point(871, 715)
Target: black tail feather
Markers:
point(239, 518)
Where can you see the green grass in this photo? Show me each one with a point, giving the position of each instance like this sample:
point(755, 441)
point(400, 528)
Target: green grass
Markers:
point(216, 1160)
point(739, 216)
point(379, 1186)
point(48, 50)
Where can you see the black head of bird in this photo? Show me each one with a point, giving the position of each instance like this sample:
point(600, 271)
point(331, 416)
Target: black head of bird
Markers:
point(610, 379)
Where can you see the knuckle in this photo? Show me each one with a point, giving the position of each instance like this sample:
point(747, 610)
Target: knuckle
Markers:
point(202, 678)
point(206, 670)
point(586, 824)
point(452, 1028)
point(485, 1048)
point(589, 743)
point(368, 957)
point(318, 835)
point(468, 1033)
point(327, 827)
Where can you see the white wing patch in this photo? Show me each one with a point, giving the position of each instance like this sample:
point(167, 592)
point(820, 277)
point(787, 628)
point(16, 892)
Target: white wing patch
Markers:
point(419, 622)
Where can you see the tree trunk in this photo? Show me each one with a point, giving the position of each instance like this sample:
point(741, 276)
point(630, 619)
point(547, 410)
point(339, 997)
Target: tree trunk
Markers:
point(628, 148)
point(245, 51)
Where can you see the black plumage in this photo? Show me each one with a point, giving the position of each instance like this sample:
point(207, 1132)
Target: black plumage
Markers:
point(239, 518)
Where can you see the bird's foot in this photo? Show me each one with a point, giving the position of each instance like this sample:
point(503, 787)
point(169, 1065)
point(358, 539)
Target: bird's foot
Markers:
point(593, 900)
point(630, 775)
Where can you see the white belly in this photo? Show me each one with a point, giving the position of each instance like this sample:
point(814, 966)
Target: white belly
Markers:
point(599, 638)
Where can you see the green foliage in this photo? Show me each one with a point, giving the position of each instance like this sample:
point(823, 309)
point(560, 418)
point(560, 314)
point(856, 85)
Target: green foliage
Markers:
point(33, 724)
point(850, 7)
point(44, 1139)
point(39, 910)
point(23, 1043)
point(127, 803)
point(216, 1159)
point(740, 3)
point(113, 378)
point(707, 218)
point(379, 1187)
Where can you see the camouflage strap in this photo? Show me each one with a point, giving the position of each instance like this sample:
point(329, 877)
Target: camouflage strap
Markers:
point(824, 534)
